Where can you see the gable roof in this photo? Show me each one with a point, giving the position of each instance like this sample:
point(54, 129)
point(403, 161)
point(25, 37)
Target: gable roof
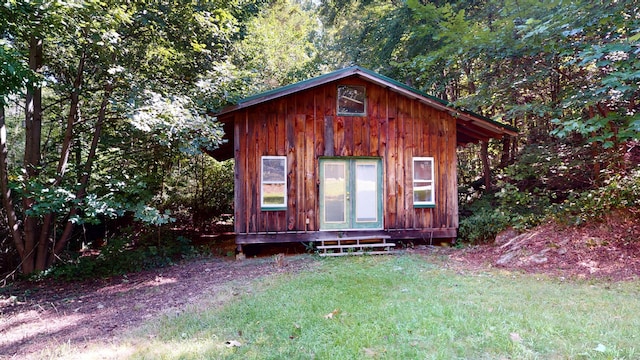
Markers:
point(471, 127)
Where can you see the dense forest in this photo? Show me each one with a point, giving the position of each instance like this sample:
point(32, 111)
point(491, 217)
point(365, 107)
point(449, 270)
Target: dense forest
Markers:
point(105, 111)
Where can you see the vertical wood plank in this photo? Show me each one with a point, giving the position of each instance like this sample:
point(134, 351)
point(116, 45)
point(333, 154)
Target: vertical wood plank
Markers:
point(419, 139)
point(358, 124)
point(383, 140)
point(328, 136)
point(291, 191)
point(338, 135)
point(280, 129)
point(300, 171)
point(441, 202)
point(376, 107)
point(309, 175)
point(409, 144)
point(308, 211)
point(374, 136)
point(429, 151)
point(404, 106)
point(392, 167)
point(239, 191)
point(270, 132)
point(347, 149)
point(452, 208)
point(280, 217)
point(453, 161)
point(330, 102)
point(320, 125)
point(264, 138)
point(253, 162)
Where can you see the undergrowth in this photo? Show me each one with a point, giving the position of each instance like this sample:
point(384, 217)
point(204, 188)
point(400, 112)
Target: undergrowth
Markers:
point(547, 183)
point(119, 256)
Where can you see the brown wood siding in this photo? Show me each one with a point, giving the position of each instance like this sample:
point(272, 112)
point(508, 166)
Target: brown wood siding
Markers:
point(304, 127)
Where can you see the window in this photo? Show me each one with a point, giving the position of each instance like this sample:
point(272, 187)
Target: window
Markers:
point(273, 188)
point(423, 186)
point(351, 100)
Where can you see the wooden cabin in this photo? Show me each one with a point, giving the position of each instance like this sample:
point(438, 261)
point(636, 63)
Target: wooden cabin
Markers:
point(348, 154)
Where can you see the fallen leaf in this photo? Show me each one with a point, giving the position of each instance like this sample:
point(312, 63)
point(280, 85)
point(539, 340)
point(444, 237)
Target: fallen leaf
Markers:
point(332, 314)
point(601, 348)
point(233, 343)
point(297, 330)
point(515, 337)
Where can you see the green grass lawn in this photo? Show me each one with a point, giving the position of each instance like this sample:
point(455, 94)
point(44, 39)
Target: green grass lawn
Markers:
point(404, 307)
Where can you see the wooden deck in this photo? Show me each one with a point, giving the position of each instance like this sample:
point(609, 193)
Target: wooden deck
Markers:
point(430, 235)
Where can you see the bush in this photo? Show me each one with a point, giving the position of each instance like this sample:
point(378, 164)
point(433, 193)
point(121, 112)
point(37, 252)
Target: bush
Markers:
point(618, 192)
point(201, 190)
point(119, 257)
point(482, 226)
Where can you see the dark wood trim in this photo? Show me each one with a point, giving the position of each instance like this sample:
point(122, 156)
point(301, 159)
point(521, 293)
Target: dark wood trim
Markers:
point(328, 136)
point(402, 234)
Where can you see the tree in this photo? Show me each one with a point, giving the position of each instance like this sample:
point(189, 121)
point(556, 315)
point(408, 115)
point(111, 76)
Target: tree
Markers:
point(114, 76)
point(279, 46)
point(16, 76)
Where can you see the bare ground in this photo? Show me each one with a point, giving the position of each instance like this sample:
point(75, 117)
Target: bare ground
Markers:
point(36, 317)
point(41, 316)
point(608, 250)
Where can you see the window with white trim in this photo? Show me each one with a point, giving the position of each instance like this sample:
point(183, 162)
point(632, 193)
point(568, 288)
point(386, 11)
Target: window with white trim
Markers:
point(273, 183)
point(423, 182)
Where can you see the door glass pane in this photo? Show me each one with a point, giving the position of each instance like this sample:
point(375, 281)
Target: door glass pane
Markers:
point(335, 189)
point(366, 189)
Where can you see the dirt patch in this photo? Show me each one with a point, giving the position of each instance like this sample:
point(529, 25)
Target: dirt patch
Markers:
point(35, 317)
point(607, 250)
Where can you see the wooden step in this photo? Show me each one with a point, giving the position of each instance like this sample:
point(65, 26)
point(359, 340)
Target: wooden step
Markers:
point(361, 245)
point(350, 246)
point(358, 253)
point(347, 238)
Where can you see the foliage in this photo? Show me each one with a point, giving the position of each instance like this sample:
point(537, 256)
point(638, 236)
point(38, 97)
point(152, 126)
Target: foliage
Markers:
point(604, 50)
point(122, 102)
point(619, 192)
point(119, 256)
point(278, 47)
point(176, 123)
point(550, 181)
point(482, 226)
point(523, 192)
point(207, 195)
point(15, 74)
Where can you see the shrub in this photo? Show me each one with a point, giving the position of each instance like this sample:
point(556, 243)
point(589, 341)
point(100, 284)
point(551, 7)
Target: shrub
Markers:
point(482, 226)
point(618, 192)
point(119, 257)
point(201, 190)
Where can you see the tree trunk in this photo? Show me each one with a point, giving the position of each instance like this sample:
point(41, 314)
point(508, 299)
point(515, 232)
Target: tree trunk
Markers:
point(84, 181)
point(484, 156)
point(33, 134)
point(7, 201)
point(505, 159)
point(43, 260)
